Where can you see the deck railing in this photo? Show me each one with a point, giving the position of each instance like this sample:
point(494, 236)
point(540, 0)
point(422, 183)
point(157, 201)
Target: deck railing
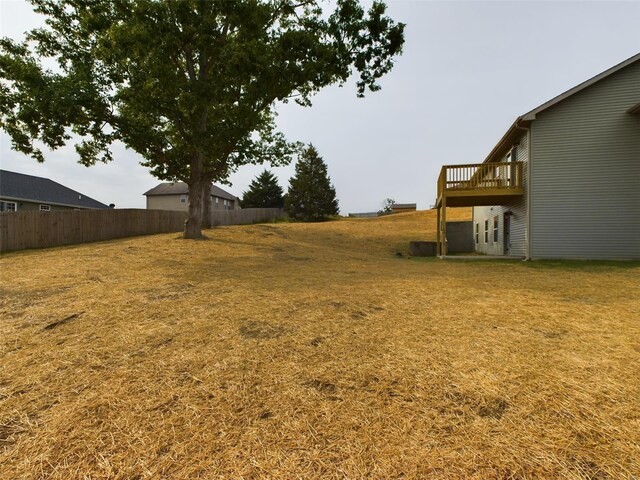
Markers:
point(480, 176)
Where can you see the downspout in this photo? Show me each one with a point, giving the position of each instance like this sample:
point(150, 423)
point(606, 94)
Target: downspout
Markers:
point(529, 150)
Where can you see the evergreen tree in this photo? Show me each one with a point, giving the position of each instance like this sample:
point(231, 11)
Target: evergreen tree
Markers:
point(311, 196)
point(264, 192)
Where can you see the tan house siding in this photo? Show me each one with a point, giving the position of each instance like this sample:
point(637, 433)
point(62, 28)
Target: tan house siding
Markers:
point(173, 202)
point(167, 202)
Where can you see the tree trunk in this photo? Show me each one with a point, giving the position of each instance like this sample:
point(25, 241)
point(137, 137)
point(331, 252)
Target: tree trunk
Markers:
point(193, 224)
point(206, 204)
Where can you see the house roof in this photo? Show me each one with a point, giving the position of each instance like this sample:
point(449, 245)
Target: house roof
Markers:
point(181, 188)
point(525, 120)
point(19, 186)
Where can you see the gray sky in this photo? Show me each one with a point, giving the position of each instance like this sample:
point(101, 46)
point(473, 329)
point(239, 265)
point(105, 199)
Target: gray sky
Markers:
point(468, 70)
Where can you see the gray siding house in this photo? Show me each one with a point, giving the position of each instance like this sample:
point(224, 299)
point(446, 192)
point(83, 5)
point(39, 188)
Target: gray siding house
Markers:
point(20, 192)
point(175, 196)
point(564, 180)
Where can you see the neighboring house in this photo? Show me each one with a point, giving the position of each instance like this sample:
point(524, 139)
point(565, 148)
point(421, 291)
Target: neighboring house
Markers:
point(564, 180)
point(403, 207)
point(20, 192)
point(175, 196)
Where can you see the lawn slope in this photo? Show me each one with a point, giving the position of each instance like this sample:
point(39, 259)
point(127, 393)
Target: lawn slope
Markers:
point(314, 351)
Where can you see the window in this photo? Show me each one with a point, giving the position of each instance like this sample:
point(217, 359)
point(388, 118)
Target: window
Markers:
point(8, 206)
point(183, 199)
point(477, 233)
point(217, 200)
point(44, 208)
point(495, 229)
point(486, 231)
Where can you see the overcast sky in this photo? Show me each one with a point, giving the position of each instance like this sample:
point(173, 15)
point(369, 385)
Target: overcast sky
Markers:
point(468, 70)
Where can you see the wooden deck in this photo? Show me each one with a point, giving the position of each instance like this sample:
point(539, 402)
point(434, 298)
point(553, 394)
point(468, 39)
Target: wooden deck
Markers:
point(473, 185)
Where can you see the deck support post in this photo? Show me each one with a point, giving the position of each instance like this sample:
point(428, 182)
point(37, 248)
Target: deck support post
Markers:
point(443, 220)
point(438, 231)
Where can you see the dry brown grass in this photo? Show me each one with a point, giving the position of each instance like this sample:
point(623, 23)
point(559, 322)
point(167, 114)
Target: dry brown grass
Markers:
point(313, 351)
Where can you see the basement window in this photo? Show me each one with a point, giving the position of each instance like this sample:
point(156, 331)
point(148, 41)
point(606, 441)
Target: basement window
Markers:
point(495, 229)
point(8, 206)
point(44, 208)
point(486, 231)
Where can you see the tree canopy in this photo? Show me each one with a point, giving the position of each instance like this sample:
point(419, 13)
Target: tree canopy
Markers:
point(264, 192)
point(191, 85)
point(311, 197)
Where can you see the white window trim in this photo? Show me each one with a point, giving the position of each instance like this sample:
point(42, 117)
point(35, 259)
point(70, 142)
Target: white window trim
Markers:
point(7, 203)
point(45, 208)
point(496, 226)
point(486, 230)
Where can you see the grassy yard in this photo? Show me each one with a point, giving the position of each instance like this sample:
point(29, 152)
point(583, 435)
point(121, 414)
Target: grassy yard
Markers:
point(314, 351)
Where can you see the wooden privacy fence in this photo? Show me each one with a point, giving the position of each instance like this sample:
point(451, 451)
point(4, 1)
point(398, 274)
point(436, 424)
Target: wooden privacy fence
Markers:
point(33, 229)
point(245, 216)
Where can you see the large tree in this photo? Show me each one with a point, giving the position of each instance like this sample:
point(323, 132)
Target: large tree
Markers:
point(264, 192)
point(311, 197)
point(191, 85)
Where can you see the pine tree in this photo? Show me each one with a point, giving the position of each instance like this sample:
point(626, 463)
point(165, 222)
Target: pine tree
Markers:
point(264, 192)
point(311, 197)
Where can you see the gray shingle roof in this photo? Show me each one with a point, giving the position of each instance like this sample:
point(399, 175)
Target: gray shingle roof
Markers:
point(181, 188)
point(19, 186)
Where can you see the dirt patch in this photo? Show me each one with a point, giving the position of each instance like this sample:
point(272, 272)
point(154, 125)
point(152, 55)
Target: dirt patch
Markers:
point(260, 330)
point(10, 430)
point(494, 408)
point(458, 403)
point(589, 469)
point(57, 323)
point(551, 334)
point(321, 386)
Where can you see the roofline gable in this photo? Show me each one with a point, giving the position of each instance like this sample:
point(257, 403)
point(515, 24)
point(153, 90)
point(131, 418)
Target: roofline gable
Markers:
point(531, 115)
point(522, 123)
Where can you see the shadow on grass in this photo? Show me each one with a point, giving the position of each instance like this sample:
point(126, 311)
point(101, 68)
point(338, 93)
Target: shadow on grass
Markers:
point(583, 265)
